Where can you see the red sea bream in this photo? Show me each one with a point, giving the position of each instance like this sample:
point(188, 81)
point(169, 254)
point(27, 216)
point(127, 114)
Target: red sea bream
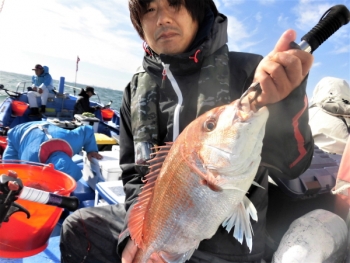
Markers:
point(200, 182)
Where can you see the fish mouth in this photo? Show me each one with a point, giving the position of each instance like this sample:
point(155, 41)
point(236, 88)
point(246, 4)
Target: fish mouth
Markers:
point(247, 107)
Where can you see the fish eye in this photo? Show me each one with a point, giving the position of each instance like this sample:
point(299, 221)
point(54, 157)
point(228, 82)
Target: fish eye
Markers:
point(210, 125)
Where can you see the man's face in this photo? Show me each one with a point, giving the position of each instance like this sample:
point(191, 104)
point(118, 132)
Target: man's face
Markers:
point(168, 30)
point(38, 72)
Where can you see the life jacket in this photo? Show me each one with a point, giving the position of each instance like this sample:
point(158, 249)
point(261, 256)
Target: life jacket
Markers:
point(224, 76)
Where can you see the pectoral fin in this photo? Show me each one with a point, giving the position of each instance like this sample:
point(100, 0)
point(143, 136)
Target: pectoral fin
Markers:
point(207, 178)
point(240, 220)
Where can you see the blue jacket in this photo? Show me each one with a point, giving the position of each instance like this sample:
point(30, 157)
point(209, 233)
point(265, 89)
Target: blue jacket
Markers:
point(25, 146)
point(44, 80)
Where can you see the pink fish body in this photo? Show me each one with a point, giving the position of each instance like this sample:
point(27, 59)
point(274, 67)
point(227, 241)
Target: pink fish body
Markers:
point(198, 183)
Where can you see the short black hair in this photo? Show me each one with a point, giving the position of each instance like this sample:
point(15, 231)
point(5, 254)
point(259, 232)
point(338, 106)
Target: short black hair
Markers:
point(196, 8)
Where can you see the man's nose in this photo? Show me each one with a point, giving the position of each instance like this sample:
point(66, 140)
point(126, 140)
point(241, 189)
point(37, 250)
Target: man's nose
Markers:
point(164, 15)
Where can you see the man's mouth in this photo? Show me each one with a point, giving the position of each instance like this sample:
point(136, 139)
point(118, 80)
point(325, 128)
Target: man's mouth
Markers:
point(167, 35)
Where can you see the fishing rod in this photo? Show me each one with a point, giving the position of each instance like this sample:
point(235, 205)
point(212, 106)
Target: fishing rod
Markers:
point(11, 189)
point(17, 94)
point(333, 19)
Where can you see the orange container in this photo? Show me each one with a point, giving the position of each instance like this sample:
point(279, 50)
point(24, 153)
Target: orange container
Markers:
point(18, 107)
point(3, 145)
point(107, 114)
point(22, 237)
point(3, 142)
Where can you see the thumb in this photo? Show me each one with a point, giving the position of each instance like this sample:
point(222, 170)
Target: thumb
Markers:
point(283, 43)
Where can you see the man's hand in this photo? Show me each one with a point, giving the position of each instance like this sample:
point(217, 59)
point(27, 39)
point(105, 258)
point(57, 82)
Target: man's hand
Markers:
point(130, 250)
point(281, 71)
point(40, 90)
point(95, 155)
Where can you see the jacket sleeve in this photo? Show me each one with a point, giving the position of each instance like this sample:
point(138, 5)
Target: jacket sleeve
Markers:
point(130, 176)
point(47, 80)
point(33, 81)
point(87, 106)
point(11, 151)
point(288, 144)
point(89, 141)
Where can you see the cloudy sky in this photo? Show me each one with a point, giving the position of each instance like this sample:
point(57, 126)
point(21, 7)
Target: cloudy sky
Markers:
point(55, 32)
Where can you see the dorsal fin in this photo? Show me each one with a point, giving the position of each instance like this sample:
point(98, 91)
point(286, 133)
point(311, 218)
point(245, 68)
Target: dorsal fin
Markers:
point(137, 214)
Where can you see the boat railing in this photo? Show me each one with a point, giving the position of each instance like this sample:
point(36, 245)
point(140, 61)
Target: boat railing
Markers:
point(22, 87)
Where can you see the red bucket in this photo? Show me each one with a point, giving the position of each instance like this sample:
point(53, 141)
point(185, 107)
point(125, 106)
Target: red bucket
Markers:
point(107, 114)
point(3, 145)
point(18, 107)
point(22, 237)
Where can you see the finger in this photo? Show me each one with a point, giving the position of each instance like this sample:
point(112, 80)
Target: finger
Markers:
point(129, 252)
point(296, 63)
point(156, 258)
point(276, 72)
point(273, 82)
point(283, 43)
point(290, 67)
point(306, 59)
point(268, 92)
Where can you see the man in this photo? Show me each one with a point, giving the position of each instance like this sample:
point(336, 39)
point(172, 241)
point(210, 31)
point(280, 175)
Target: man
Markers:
point(83, 101)
point(41, 87)
point(40, 141)
point(187, 70)
point(330, 114)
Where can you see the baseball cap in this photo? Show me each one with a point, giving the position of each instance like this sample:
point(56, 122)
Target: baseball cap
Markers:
point(91, 89)
point(38, 66)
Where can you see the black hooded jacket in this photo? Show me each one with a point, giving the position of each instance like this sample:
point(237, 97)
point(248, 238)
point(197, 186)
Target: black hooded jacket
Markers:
point(82, 104)
point(288, 144)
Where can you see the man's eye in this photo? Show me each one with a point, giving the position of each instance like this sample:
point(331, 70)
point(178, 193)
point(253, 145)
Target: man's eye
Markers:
point(150, 10)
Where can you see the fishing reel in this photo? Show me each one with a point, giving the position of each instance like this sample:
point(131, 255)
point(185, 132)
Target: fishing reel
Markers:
point(10, 189)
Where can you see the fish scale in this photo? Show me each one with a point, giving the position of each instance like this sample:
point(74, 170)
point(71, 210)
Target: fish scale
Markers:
point(201, 184)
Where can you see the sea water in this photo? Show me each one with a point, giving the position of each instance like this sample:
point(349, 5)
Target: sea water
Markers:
point(10, 81)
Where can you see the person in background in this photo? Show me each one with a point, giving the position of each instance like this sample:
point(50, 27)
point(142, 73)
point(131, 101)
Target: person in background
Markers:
point(41, 87)
point(40, 141)
point(83, 101)
point(188, 69)
point(329, 114)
